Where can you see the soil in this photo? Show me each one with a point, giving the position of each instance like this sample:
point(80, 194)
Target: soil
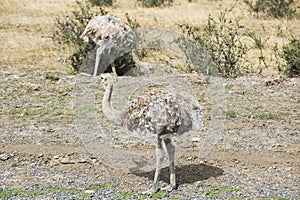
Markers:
point(256, 156)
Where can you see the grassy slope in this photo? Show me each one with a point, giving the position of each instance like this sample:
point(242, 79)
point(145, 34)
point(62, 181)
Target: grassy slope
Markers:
point(25, 27)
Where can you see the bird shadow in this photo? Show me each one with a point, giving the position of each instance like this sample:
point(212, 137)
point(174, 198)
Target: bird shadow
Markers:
point(185, 174)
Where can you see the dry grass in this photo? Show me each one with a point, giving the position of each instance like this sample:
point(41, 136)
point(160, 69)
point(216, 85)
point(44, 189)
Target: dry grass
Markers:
point(26, 26)
point(25, 29)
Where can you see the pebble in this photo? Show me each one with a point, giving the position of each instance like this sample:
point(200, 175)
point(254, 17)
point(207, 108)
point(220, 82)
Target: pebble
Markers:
point(67, 161)
point(255, 181)
point(4, 156)
point(89, 191)
point(196, 139)
point(50, 130)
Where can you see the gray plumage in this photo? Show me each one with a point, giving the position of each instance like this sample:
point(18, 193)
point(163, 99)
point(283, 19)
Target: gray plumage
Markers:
point(107, 32)
point(160, 113)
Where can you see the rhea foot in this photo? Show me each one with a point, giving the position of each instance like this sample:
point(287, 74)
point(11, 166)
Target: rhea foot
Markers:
point(168, 188)
point(152, 190)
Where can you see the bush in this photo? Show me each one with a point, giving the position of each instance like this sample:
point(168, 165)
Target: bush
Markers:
point(70, 28)
point(153, 3)
point(221, 38)
point(133, 23)
point(260, 41)
point(291, 54)
point(68, 33)
point(101, 2)
point(273, 8)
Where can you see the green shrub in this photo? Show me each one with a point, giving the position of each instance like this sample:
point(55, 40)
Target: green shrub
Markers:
point(231, 113)
point(273, 8)
point(291, 54)
point(101, 2)
point(52, 77)
point(221, 38)
point(70, 28)
point(153, 3)
point(133, 23)
point(68, 33)
point(260, 41)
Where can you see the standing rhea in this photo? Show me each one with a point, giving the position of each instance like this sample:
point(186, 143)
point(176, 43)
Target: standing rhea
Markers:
point(161, 114)
point(107, 32)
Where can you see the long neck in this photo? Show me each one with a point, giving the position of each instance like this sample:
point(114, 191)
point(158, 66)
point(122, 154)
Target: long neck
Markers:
point(107, 108)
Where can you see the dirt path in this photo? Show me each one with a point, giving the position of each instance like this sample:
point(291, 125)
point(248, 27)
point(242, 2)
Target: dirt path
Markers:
point(257, 155)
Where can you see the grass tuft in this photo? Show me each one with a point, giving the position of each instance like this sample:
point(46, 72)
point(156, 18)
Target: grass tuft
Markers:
point(31, 193)
point(136, 195)
point(52, 77)
point(101, 186)
point(214, 193)
point(231, 113)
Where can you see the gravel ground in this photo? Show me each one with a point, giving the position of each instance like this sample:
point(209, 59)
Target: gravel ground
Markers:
point(42, 156)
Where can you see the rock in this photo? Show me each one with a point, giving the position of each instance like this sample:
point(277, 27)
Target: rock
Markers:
point(4, 156)
point(50, 130)
point(54, 163)
point(83, 160)
point(196, 139)
point(89, 191)
point(67, 161)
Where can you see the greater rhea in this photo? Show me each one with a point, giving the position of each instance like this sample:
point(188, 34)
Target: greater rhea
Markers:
point(107, 32)
point(160, 113)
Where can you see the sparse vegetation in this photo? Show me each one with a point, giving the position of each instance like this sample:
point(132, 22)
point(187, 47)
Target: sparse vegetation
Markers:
point(128, 195)
point(214, 193)
point(71, 27)
point(291, 54)
point(36, 105)
point(265, 115)
point(136, 195)
point(231, 113)
point(20, 192)
point(222, 39)
point(153, 3)
point(101, 186)
point(102, 2)
point(133, 23)
point(52, 77)
point(38, 191)
point(260, 42)
point(294, 134)
point(273, 8)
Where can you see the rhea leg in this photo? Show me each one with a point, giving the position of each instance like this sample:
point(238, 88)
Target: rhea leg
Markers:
point(98, 53)
point(113, 55)
point(159, 161)
point(170, 146)
point(113, 68)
